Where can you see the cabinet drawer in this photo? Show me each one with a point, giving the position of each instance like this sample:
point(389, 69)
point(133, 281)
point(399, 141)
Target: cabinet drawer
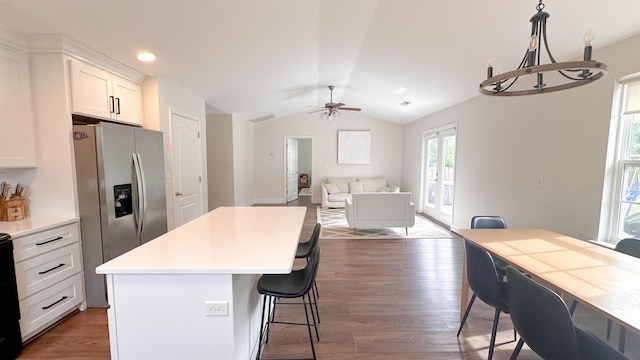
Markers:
point(41, 309)
point(35, 244)
point(42, 271)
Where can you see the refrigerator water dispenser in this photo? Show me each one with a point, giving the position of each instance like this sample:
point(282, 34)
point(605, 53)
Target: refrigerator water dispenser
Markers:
point(122, 200)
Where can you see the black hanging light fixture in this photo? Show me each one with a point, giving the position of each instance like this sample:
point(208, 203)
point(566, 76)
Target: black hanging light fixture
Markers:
point(560, 75)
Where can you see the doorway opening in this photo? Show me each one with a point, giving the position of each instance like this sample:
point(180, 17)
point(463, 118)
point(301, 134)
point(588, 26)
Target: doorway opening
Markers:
point(298, 169)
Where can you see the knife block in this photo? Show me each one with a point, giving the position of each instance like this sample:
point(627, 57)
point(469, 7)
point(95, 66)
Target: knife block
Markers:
point(12, 209)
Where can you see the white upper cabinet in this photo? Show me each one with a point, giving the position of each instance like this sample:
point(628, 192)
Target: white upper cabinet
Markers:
point(101, 94)
point(17, 143)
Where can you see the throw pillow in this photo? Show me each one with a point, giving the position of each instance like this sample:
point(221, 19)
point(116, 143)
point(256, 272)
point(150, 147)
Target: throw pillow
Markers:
point(355, 187)
point(384, 189)
point(331, 188)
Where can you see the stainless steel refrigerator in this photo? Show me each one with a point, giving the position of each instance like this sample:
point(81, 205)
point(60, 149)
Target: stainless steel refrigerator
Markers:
point(121, 195)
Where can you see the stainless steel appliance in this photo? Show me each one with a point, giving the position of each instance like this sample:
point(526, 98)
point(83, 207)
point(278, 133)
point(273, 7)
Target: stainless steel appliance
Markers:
point(121, 195)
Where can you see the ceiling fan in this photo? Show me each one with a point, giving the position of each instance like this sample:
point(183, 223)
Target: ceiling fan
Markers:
point(331, 109)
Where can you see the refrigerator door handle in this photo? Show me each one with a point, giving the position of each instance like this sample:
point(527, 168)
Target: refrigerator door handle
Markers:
point(144, 192)
point(139, 212)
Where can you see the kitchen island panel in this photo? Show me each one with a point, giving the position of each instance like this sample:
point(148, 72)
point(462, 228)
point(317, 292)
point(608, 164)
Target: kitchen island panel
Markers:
point(156, 317)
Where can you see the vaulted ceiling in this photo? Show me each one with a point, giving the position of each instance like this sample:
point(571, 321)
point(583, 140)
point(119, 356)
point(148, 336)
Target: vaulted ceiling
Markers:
point(270, 58)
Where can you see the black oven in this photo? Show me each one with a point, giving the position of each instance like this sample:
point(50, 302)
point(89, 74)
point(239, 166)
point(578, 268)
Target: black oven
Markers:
point(10, 338)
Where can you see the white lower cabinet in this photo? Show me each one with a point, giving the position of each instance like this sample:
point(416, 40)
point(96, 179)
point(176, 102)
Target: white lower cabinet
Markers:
point(46, 307)
point(49, 276)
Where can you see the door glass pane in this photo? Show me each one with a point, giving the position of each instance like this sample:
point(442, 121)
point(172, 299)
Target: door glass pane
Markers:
point(432, 170)
point(449, 149)
point(629, 225)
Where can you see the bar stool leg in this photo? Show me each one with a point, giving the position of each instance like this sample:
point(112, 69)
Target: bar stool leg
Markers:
point(315, 303)
point(315, 324)
point(272, 314)
point(306, 314)
point(264, 304)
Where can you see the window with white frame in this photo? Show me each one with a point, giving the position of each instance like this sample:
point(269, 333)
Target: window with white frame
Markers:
point(626, 196)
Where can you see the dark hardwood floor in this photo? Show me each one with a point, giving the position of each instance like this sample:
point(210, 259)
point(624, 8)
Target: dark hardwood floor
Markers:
point(379, 299)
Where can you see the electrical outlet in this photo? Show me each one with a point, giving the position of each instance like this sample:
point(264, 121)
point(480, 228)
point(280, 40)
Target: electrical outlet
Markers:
point(216, 308)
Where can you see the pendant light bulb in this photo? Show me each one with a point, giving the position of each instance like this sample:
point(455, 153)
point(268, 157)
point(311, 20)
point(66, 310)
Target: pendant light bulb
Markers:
point(588, 38)
point(533, 43)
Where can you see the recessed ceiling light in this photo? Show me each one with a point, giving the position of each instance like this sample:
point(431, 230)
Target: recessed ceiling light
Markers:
point(401, 91)
point(146, 56)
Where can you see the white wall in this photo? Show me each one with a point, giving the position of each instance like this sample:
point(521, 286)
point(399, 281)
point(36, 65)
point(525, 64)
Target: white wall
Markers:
point(504, 143)
point(243, 163)
point(220, 160)
point(160, 98)
point(386, 149)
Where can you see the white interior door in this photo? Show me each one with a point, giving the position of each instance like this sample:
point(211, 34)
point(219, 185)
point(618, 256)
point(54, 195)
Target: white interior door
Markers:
point(439, 170)
point(187, 169)
point(292, 169)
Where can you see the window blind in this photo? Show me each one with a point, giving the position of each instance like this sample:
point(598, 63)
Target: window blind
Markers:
point(632, 98)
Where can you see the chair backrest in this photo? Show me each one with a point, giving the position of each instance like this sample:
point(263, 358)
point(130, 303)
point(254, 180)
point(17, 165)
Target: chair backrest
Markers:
point(629, 246)
point(315, 236)
point(541, 318)
point(311, 270)
point(482, 276)
point(488, 222)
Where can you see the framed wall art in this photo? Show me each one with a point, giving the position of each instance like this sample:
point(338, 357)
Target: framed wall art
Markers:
point(354, 147)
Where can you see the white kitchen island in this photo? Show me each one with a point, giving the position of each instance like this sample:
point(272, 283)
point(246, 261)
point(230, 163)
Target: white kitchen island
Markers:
point(168, 297)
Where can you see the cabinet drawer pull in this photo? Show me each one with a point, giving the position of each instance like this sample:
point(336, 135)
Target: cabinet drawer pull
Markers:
point(53, 268)
point(118, 105)
point(51, 240)
point(112, 105)
point(49, 306)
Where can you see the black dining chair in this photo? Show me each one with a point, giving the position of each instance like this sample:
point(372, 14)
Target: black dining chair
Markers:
point(629, 246)
point(486, 285)
point(544, 324)
point(296, 284)
point(491, 222)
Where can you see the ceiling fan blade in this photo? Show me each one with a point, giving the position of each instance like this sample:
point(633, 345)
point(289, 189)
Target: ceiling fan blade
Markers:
point(315, 111)
point(339, 104)
point(349, 109)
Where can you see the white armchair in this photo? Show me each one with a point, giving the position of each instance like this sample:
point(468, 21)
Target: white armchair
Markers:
point(379, 210)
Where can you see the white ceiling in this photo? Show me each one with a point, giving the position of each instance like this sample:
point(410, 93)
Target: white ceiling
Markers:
point(262, 58)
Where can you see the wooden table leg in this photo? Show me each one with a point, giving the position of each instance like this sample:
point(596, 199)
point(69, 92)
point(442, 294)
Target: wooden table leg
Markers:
point(464, 288)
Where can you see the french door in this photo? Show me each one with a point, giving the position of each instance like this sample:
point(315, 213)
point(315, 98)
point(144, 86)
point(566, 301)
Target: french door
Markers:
point(439, 163)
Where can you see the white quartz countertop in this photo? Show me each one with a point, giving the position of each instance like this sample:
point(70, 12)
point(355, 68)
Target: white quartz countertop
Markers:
point(30, 225)
point(227, 240)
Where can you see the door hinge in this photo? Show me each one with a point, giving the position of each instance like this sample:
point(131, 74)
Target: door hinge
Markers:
point(199, 178)
point(198, 134)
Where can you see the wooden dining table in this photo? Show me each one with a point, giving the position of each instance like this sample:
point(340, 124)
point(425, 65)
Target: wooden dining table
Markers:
point(598, 277)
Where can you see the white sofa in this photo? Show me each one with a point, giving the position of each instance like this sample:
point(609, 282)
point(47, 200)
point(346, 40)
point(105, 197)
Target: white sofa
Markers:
point(336, 189)
point(380, 210)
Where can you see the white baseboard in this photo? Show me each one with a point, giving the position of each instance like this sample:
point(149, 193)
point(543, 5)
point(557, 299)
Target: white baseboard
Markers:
point(269, 201)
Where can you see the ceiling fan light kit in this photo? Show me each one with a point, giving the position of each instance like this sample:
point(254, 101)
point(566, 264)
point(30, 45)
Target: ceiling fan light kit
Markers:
point(566, 75)
point(331, 110)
